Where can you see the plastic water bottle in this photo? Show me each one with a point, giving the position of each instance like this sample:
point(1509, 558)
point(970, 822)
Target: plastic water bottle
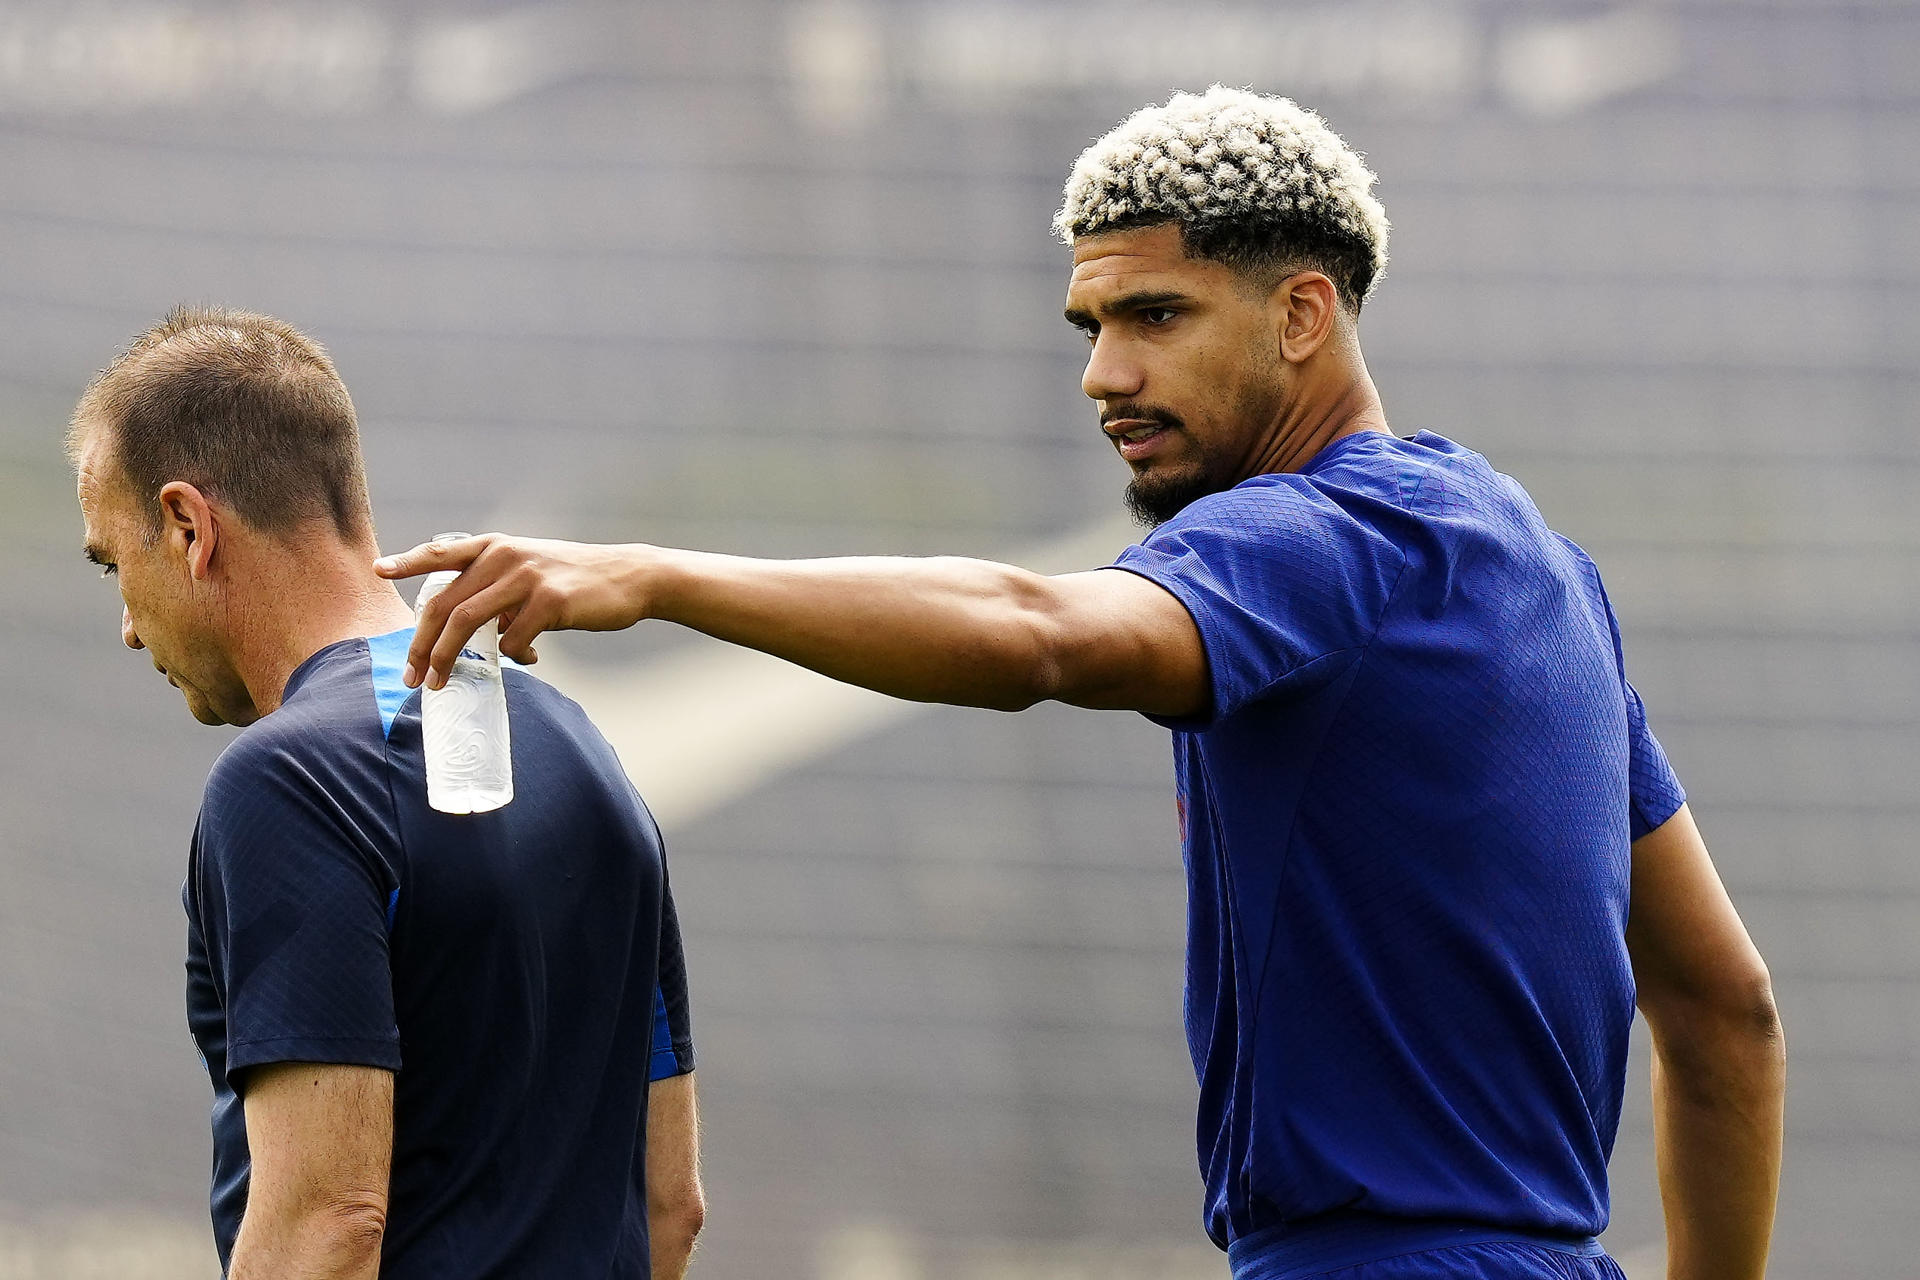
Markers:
point(463, 723)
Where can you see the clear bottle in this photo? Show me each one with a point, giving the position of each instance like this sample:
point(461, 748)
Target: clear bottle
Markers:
point(463, 723)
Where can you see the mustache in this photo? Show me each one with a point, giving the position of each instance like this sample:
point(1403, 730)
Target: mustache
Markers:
point(1140, 412)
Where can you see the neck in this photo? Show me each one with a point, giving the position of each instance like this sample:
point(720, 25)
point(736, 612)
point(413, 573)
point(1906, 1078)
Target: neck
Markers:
point(300, 599)
point(1337, 399)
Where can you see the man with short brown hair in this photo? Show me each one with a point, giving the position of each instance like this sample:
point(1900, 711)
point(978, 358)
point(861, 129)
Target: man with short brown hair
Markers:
point(439, 1045)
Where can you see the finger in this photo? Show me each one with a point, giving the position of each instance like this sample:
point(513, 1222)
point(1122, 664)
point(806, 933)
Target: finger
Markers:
point(429, 556)
point(432, 623)
point(481, 572)
point(516, 641)
point(462, 620)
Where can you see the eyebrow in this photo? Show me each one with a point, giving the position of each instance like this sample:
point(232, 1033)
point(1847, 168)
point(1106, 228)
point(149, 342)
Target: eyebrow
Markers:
point(1138, 300)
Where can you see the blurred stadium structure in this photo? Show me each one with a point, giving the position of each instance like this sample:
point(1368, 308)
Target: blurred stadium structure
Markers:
point(776, 278)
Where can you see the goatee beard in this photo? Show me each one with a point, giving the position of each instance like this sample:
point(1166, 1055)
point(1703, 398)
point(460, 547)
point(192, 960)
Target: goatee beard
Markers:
point(1154, 500)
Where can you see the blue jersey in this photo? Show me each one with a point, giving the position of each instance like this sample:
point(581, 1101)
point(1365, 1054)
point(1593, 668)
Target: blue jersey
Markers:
point(1406, 817)
point(519, 970)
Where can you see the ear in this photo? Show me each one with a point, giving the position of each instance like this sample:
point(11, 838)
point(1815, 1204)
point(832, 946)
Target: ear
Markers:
point(190, 525)
point(1308, 308)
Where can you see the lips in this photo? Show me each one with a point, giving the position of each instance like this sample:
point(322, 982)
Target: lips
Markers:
point(1136, 439)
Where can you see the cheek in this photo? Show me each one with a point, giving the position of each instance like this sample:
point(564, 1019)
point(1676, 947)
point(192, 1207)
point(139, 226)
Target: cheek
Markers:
point(134, 604)
point(150, 616)
point(1208, 369)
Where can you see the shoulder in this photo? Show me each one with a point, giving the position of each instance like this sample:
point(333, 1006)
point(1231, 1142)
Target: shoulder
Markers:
point(325, 735)
point(1578, 555)
point(1263, 507)
point(278, 745)
point(1368, 481)
point(1292, 522)
point(557, 743)
point(539, 708)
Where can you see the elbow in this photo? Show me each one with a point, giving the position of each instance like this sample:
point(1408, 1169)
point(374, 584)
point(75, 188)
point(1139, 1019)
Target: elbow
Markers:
point(1748, 1011)
point(1764, 1014)
point(680, 1206)
point(691, 1215)
point(1018, 670)
point(349, 1230)
point(1763, 1017)
point(1042, 684)
point(675, 1221)
point(1733, 1038)
point(359, 1221)
point(1041, 655)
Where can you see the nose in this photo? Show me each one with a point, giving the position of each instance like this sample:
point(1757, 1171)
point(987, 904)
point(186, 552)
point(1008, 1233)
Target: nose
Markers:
point(1111, 374)
point(127, 633)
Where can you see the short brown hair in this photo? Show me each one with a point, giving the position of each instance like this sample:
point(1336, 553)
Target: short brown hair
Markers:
point(244, 407)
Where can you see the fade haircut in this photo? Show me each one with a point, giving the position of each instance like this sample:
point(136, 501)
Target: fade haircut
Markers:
point(1257, 183)
point(245, 408)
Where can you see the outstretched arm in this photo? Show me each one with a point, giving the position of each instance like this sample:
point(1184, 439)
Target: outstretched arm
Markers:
point(970, 632)
point(1719, 1069)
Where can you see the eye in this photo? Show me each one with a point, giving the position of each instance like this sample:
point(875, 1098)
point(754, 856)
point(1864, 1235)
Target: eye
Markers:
point(108, 570)
point(1157, 315)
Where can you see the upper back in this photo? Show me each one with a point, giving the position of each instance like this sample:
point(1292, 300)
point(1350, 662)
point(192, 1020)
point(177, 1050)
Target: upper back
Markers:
point(513, 957)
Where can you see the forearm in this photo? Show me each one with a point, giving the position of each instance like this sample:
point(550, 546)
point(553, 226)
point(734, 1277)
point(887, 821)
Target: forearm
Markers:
point(1718, 1111)
point(322, 1245)
point(936, 630)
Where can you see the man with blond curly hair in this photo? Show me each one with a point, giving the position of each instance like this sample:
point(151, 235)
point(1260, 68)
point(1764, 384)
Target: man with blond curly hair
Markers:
point(1431, 844)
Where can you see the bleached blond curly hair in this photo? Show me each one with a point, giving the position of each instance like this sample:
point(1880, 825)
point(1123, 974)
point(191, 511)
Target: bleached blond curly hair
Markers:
point(1254, 181)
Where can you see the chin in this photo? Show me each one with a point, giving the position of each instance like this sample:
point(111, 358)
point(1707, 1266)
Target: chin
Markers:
point(206, 713)
point(1155, 499)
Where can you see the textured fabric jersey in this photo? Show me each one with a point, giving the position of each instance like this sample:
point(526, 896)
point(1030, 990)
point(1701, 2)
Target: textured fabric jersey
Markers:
point(1406, 819)
point(520, 970)
point(1423, 1252)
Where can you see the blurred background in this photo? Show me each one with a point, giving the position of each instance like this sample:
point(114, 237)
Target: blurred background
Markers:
point(777, 279)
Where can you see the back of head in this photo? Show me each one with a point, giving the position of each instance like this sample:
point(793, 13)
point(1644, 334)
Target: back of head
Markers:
point(245, 408)
point(1255, 182)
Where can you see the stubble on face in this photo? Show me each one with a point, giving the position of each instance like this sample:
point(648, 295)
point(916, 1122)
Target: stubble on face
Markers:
point(1161, 490)
point(1182, 343)
point(1211, 460)
point(155, 620)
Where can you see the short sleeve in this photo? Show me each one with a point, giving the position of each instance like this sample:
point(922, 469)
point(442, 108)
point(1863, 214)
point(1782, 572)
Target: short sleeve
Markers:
point(1653, 789)
point(1654, 793)
point(672, 1050)
point(1284, 584)
point(293, 898)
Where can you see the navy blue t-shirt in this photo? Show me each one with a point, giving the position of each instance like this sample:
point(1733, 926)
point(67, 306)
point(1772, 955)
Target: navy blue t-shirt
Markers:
point(519, 970)
point(1406, 818)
